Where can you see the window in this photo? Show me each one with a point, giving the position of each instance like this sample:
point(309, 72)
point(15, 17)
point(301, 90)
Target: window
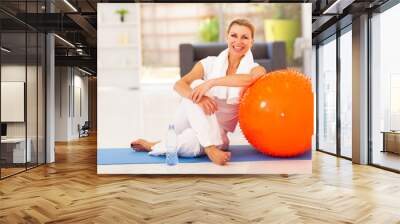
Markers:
point(327, 96)
point(385, 89)
point(346, 93)
point(22, 77)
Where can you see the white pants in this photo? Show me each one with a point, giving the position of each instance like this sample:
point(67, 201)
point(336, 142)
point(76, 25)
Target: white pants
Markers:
point(195, 130)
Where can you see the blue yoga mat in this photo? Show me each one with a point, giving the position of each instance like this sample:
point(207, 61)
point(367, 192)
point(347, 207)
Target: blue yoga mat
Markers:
point(239, 153)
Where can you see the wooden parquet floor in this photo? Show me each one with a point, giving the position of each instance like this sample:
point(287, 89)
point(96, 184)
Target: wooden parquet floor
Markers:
point(70, 191)
point(10, 171)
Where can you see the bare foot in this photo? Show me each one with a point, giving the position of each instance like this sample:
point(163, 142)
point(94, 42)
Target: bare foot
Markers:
point(216, 155)
point(142, 145)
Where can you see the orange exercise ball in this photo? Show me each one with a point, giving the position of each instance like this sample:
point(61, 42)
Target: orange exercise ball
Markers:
point(276, 113)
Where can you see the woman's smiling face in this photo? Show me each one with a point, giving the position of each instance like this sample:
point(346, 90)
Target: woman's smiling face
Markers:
point(239, 39)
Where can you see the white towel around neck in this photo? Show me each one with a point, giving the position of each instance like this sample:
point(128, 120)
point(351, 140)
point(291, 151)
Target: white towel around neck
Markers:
point(219, 67)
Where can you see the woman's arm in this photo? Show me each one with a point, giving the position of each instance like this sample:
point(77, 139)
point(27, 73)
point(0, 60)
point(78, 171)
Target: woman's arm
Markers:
point(237, 80)
point(182, 86)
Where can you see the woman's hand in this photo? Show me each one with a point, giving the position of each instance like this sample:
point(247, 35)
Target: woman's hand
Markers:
point(208, 105)
point(200, 91)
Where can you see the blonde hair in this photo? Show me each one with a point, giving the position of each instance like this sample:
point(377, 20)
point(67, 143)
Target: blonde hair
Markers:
point(242, 22)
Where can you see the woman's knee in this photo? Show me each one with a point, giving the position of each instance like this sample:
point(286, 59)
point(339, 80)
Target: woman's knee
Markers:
point(190, 145)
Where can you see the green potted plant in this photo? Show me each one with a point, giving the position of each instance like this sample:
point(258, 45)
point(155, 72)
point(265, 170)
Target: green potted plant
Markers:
point(282, 23)
point(209, 30)
point(122, 13)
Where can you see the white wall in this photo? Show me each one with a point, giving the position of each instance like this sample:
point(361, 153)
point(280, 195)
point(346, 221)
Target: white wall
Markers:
point(62, 81)
point(119, 57)
point(67, 115)
point(79, 117)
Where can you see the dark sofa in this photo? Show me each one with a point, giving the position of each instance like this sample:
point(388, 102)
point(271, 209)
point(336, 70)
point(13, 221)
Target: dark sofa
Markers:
point(271, 55)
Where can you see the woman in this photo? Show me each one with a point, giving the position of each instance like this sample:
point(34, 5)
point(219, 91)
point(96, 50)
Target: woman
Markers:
point(210, 91)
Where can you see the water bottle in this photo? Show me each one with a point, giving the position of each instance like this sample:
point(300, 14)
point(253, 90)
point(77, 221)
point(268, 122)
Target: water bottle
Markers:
point(171, 145)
